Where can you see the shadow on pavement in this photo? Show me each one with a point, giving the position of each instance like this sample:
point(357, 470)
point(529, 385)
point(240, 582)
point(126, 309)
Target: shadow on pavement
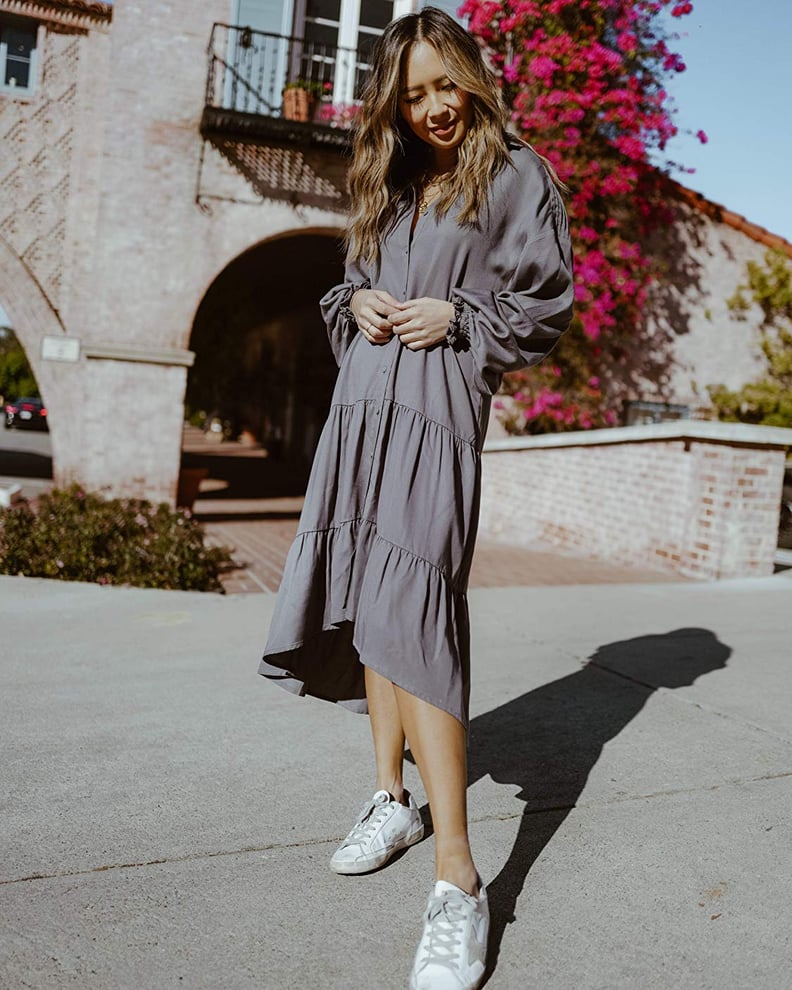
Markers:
point(247, 475)
point(25, 464)
point(546, 742)
point(263, 515)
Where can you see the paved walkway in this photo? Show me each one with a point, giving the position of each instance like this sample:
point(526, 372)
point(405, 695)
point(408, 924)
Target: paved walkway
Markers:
point(261, 531)
point(168, 815)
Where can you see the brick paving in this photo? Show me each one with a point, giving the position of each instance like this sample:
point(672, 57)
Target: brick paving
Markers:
point(260, 532)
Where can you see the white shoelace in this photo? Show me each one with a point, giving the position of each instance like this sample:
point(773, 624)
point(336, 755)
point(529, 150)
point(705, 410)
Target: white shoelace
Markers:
point(445, 914)
point(370, 818)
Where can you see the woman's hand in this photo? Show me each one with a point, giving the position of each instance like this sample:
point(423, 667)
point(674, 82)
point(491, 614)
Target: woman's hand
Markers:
point(372, 309)
point(419, 323)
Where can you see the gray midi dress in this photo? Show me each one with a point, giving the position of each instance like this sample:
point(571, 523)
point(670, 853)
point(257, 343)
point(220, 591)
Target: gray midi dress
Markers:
point(378, 572)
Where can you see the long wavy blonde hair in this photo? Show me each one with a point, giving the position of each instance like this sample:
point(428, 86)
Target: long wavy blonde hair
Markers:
point(388, 158)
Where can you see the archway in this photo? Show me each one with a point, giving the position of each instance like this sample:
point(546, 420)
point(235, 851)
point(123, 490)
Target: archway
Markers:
point(29, 315)
point(16, 375)
point(263, 366)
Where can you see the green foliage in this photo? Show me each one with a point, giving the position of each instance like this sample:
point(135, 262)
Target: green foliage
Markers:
point(770, 286)
point(764, 403)
point(311, 86)
point(16, 375)
point(767, 402)
point(80, 536)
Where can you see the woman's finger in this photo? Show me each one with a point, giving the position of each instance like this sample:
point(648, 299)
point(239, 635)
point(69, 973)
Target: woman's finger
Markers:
point(387, 298)
point(372, 318)
point(402, 317)
point(373, 335)
point(400, 329)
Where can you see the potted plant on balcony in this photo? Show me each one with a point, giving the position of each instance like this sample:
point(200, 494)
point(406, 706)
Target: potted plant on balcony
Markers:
point(338, 114)
point(300, 98)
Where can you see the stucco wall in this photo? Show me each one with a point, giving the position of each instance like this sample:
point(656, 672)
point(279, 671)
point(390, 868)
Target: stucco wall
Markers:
point(709, 346)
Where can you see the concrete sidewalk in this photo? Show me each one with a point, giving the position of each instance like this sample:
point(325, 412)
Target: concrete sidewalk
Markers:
point(168, 815)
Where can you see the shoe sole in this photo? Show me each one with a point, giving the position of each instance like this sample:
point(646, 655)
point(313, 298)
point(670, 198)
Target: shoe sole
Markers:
point(471, 986)
point(366, 866)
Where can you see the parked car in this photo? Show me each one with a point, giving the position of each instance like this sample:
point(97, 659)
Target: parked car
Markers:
point(26, 413)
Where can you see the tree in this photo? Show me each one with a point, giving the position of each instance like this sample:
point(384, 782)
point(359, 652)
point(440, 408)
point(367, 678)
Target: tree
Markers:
point(16, 375)
point(584, 79)
point(768, 401)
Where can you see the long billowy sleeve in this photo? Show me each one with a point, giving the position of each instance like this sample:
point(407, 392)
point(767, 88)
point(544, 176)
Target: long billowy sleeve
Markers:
point(340, 321)
point(518, 326)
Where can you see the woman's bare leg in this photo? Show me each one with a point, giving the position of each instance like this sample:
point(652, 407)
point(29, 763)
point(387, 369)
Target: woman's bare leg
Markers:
point(439, 744)
point(387, 732)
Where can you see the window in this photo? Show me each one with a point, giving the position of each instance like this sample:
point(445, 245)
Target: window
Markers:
point(375, 15)
point(17, 56)
point(332, 43)
point(355, 28)
point(638, 412)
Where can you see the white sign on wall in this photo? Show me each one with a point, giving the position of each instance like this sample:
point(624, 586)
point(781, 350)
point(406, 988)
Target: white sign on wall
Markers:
point(60, 348)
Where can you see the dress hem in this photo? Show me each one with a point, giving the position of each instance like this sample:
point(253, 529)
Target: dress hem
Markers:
point(359, 706)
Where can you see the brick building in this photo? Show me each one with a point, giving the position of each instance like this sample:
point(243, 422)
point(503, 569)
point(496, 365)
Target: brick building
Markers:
point(161, 217)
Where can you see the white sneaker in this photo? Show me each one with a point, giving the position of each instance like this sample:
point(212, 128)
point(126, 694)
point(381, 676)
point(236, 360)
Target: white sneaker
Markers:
point(383, 827)
point(453, 948)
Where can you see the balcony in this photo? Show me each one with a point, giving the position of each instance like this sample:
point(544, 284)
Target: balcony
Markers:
point(253, 79)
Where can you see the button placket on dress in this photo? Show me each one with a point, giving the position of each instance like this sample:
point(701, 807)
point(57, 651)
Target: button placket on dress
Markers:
point(386, 376)
point(375, 458)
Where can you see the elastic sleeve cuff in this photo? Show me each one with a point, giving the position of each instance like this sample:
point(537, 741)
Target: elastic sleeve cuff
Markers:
point(458, 333)
point(345, 310)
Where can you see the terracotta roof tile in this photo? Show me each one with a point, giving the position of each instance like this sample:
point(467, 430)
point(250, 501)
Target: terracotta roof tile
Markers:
point(721, 214)
point(88, 6)
point(93, 8)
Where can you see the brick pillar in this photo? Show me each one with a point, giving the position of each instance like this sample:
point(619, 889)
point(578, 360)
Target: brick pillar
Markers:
point(737, 497)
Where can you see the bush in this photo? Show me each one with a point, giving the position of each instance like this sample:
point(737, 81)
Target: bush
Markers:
point(767, 402)
point(16, 376)
point(81, 536)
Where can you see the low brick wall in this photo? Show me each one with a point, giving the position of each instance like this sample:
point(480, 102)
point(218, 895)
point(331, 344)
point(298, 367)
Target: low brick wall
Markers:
point(701, 499)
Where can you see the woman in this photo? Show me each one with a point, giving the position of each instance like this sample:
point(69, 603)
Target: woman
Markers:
point(458, 269)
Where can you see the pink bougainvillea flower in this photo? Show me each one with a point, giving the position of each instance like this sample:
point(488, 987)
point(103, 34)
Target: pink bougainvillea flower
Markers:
point(511, 71)
point(543, 68)
point(627, 42)
point(586, 84)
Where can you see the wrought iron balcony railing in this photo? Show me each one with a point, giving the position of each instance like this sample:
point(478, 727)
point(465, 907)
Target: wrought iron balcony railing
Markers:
point(251, 72)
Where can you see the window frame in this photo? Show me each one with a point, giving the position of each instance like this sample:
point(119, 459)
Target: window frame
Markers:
point(21, 23)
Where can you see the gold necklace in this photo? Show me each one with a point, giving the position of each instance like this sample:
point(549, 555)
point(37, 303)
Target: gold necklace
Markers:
point(437, 183)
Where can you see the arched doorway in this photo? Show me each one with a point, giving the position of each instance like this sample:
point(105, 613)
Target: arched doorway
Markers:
point(263, 367)
point(28, 316)
point(16, 374)
point(25, 449)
